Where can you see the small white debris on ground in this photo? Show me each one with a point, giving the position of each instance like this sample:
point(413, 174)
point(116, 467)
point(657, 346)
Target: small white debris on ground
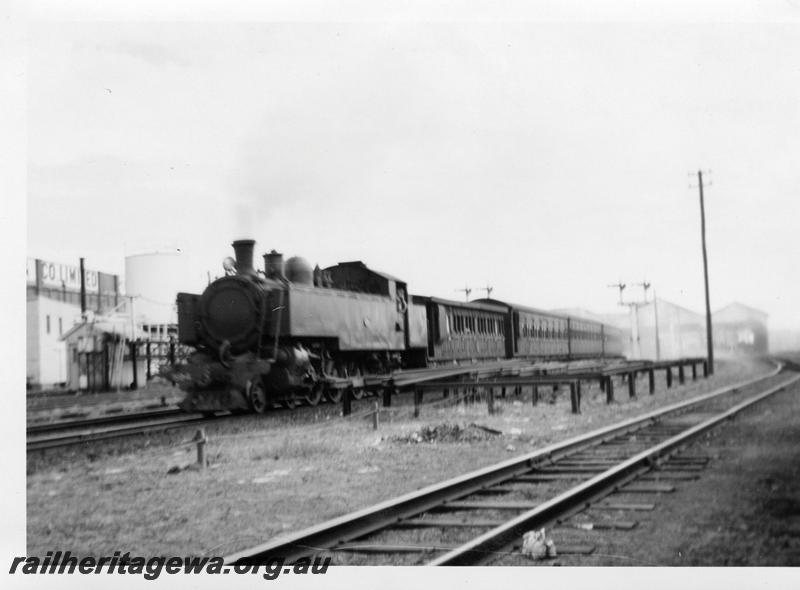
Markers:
point(271, 476)
point(537, 545)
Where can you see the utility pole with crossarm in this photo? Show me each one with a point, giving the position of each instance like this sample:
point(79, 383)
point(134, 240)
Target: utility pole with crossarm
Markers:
point(709, 338)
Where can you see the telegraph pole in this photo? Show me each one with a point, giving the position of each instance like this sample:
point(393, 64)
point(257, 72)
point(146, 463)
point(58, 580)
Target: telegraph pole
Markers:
point(634, 308)
point(645, 286)
point(466, 291)
point(709, 341)
point(621, 286)
point(488, 289)
point(658, 338)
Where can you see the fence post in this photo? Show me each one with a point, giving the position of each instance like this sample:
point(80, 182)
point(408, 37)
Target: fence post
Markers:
point(387, 395)
point(417, 401)
point(200, 439)
point(172, 353)
point(375, 412)
point(651, 378)
point(490, 401)
point(669, 377)
point(681, 374)
point(632, 384)
point(694, 372)
point(705, 369)
point(149, 358)
point(347, 400)
point(575, 396)
point(609, 389)
point(534, 394)
point(135, 384)
point(106, 366)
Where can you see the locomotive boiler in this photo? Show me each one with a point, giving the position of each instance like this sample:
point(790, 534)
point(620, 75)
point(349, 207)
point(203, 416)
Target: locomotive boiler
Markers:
point(291, 333)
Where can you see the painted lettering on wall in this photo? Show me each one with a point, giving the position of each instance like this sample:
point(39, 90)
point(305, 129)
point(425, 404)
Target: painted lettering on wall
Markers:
point(62, 276)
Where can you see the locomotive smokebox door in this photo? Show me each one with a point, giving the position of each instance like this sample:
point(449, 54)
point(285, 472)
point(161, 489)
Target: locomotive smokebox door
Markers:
point(232, 309)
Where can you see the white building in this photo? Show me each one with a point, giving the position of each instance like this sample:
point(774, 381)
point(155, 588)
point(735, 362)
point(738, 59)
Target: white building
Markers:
point(53, 306)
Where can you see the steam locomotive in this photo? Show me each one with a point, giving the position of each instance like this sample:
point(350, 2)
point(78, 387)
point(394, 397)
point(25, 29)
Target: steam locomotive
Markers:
point(292, 334)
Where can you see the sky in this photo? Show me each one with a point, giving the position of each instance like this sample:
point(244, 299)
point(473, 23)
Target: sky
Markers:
point(547, 159)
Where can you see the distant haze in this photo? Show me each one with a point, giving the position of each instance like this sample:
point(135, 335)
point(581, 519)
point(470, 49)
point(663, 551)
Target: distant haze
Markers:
point(545, 160)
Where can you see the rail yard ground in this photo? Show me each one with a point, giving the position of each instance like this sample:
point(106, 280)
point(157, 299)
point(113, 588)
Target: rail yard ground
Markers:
point(268, 477)
point(63, 406)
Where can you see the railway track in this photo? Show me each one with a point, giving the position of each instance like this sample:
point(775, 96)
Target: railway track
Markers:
point(480, 518)
point(63, 434)
point(70, 432)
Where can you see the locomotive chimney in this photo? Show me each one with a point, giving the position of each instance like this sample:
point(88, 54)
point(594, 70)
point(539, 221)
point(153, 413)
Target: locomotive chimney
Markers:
point(244, 256)
point(273, 265)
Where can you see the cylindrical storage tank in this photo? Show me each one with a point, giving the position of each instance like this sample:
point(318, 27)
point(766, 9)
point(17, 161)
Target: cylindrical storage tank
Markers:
point(299, 271)
point(154, 280)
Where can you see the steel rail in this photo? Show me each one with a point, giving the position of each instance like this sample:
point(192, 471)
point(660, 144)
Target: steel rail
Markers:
point(64, 440)
point(36, 429)
point(368, 520)
point(485, 547)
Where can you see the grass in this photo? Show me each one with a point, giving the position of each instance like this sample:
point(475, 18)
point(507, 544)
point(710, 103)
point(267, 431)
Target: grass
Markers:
point(266, 482)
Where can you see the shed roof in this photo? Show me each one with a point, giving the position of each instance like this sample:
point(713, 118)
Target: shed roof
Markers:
point(737, 312)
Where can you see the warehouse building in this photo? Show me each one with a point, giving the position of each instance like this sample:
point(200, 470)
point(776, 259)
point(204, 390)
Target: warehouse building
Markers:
point(740, 330)
point(53, 307)
point(670, 331)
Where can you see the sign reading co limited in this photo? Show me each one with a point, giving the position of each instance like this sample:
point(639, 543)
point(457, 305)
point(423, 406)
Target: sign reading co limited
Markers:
point(61, 276)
